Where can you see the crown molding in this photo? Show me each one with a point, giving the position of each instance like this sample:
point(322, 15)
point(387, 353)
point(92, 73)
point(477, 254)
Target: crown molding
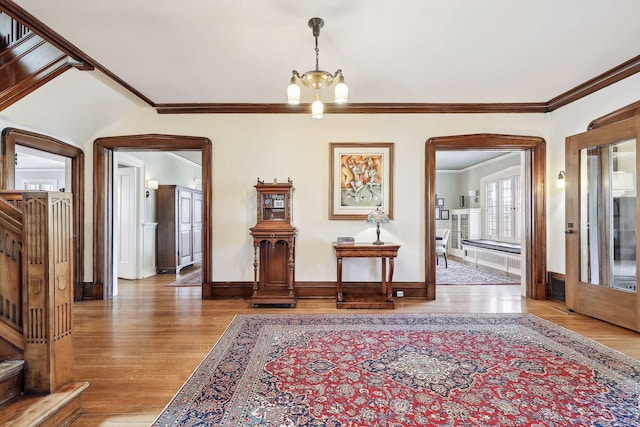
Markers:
point(351, 108)
point(614, 75)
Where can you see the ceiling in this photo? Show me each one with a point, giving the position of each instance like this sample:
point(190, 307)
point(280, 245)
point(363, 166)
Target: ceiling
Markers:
point(458, 160)
point(402, 51)
point(29, 158)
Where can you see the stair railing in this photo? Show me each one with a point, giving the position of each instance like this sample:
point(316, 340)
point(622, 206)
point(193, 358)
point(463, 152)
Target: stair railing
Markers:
point(41, 282)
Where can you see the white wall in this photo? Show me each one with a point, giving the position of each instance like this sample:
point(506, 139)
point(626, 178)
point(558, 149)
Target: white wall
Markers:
point(250, 146)
point(52, 175)
point(247, 147)
point(571, 120)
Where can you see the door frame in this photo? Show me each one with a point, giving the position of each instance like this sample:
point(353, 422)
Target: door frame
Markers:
point(12, 137)
point(103, 161)
point(534, 224)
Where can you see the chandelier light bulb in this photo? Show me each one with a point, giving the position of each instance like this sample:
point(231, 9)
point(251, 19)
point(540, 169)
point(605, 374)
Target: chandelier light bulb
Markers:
point(317, 108)
point(293, 92)
point(342, 91)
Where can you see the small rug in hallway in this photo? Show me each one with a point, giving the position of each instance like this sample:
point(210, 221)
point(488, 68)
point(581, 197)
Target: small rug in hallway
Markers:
point(459, 273)
point(406, 370)
point(191, 279)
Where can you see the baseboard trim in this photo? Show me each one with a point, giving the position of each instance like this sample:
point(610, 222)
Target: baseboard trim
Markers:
point(321, 290)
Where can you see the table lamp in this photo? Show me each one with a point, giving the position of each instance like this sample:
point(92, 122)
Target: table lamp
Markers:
point(377, 217)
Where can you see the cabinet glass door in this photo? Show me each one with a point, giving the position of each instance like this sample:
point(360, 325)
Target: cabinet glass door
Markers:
point(273, 207)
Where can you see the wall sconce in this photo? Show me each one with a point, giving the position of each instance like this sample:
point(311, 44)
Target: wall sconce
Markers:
point(560, 181)
point(150, 184)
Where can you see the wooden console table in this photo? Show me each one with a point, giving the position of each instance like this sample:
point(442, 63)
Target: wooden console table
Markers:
point(367, 250)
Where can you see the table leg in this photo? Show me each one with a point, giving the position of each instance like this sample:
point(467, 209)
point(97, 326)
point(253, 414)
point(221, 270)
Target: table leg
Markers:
point(384, 275)
point(390, 284)
point(339, 284)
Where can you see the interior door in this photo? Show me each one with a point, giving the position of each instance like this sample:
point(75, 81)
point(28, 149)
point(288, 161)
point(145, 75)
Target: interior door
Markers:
point(185, 242)
point(126, 208)
point(197, 226)
point(601, 215)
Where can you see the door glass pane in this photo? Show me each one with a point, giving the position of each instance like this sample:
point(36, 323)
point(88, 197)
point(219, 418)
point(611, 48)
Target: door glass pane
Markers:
point(608, 215)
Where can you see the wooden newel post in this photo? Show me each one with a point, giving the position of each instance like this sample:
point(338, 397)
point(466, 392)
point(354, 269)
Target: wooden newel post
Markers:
point(48, 251)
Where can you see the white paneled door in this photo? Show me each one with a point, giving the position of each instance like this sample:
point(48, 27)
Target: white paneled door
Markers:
point(126, 217)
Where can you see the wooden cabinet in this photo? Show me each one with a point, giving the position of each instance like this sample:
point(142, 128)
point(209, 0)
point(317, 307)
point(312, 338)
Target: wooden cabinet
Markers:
point(465, 224)
point(179, 242)
point(274, 246)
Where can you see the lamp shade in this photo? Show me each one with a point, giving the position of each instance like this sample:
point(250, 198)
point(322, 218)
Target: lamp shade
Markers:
point(317, 108)
point(377, 217)
point(152, 184)
point(341, 91)
point(293, 92)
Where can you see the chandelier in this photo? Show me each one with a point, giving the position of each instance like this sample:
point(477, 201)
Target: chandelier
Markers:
point(317, 79)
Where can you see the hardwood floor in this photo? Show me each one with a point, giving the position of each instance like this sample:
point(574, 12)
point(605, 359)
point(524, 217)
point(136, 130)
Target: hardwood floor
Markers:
point(137, 349)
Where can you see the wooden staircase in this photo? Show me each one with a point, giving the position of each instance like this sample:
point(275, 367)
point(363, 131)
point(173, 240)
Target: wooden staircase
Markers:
point(36, 301)
point(59, 408)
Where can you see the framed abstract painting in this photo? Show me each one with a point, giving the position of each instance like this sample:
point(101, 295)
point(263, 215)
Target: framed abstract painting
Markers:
point(361, 179)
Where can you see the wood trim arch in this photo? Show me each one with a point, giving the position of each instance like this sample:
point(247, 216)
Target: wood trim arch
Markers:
point(535, 226)
point(103, 149)
point(12, 137)
point(624, 113)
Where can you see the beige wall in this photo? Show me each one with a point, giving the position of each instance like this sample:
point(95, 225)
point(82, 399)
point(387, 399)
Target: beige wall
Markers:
point(246, 147)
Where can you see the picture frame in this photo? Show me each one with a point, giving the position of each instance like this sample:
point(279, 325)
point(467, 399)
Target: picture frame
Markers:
point(444, 214)
point(439, 201)
point(360, 179)
point(437, 214)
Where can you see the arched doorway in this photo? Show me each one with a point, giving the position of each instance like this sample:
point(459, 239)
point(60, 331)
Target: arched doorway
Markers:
point(535, 227)
point(103, 160)
point(12, 137)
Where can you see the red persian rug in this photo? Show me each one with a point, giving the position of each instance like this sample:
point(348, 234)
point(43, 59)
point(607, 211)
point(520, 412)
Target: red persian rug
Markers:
point(406, 370)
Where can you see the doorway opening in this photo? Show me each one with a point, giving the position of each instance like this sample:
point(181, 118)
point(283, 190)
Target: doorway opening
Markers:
point(533, 149)
point(104, 160)
point(479, 209)
point(13, 138)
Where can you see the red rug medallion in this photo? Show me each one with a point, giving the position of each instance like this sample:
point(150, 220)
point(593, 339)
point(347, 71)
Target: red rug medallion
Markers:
point(407, 370)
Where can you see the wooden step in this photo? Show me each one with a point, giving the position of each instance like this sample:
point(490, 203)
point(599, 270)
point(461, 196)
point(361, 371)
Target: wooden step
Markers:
point(56, 409)
point(11, 379)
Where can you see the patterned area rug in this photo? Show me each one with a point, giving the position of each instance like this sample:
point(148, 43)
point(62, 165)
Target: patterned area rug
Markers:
point(459, 273)
point(406, 370)
point(191, 279)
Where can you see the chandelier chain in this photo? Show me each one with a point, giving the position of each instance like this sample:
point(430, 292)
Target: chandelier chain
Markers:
point(316, 79)
point(317, 55)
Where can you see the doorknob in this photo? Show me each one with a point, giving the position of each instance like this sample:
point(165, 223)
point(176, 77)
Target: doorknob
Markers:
point(569, 228)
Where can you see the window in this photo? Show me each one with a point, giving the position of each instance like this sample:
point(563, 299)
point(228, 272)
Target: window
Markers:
point(502, 201)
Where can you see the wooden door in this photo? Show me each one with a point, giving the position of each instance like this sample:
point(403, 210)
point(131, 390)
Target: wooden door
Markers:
point(601, 216)
point(185, 212)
